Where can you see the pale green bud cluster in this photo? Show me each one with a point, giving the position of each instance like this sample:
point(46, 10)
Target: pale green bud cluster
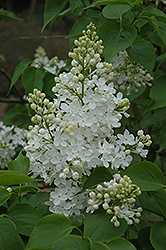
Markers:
point(43, 108)
point(3, 145)
point(129, 74)
point(123, 105)
point(88, 49)
point(145, 139)
point(40, 52)
point(117, 198)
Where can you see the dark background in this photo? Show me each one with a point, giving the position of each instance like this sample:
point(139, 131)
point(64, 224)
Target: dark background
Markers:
point(19, 39)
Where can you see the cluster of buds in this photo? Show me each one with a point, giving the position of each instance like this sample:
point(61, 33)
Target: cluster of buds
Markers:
point(43, 108)
point(123, 105)
point(143, 140)
point(88, 49)
point(40, 52)
point(129, 74)
point(117, 198)
point(3, 145)
point(53, 66)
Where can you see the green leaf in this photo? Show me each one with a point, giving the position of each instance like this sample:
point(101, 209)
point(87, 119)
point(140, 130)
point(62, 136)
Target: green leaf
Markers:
point(98, 227)
point(1, 58)
point(8, 14)
point(162, 27)
point(74, 4)
point(18, 71)
point(99, 175)
point(120, 244)
point(42, 248)
point(146, 175)
point(48, 230)
point(36, 199)
point(80, 25)
point(115, 39)
point(20, 164)
point(142, 52)
point(105, 2)
point(115, 11)
point(154, 37)
point(160, 200)
point(4, 195)
point(25, 217)
point(149, 11)
point(32, 78)
point(96, 245)
point(9, 238)
point(18, 110)
point(69, 242)
point(143, 238)
point(158, 235)
point(162, 139)
point(24, 189)
point(158, 92)
point(47, 88)
point(52, 9)
point(148, 203)
point(87, 244)
point(160, 60)
point(8, 178)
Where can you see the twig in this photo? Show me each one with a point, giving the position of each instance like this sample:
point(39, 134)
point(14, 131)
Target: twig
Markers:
point(13, 100)
point(41, 37)
point(150, 219)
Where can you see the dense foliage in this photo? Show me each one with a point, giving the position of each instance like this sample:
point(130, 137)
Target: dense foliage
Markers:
point(78, 178)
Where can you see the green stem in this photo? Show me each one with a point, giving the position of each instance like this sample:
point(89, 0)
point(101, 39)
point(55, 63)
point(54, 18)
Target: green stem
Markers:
point(19, 193)
point(121, 22)
point(83, 237)
point(75, 92)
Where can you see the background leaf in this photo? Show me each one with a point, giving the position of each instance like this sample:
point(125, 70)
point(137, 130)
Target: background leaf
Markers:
point(8, 178)
point(115, 11)
point(120, 244)
point(69, 242)
point(48, 230)
point(52, 9)
point(4, 195)
point(18, 71)
point(8, 14)
point(98, 176)
point(158, 235)
point(20, 164)
point(158, 92)
point(146, 175)
point(32, 78)
point(142, 52)
point(24, 217)
point(143, 238)
point(98, 227)
point(115, 39)
point(160, 200)
point(81, 25)
point(35, 199)
point(9, 238)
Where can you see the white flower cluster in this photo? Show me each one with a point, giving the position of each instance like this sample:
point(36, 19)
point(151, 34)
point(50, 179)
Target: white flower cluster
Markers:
point(10, 139)
point(53, 65)
point(117, 197)
point(75, 133)
point(129, 74)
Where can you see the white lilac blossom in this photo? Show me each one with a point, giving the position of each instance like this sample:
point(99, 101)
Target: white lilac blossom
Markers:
point(129, 74)
point(11, 138)
point(117, 198)
point(53, 65)
point(74, 133)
